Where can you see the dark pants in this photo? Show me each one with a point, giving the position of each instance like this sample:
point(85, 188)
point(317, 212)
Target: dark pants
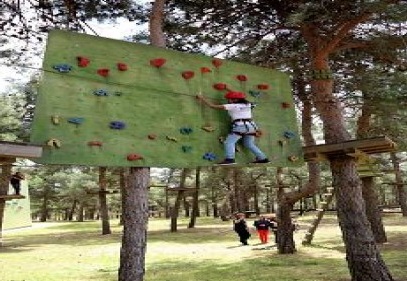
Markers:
point(17, 187)
point(244, 235)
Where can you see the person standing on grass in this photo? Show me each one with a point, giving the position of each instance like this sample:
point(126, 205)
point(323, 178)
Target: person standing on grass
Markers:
point(15, 182)
point(243, 126)
point(240, 227)
point(262, 226)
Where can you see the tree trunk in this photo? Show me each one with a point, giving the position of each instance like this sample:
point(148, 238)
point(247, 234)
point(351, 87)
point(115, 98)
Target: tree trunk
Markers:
point(195, 202)
point(401, 191)
point(373, 212)
point(285, 230)
point(80, 216)
point(135, 218)
point(175, 211)
point(177, 204)
point(104, 211)
point(4, 187)
point(72, 210)
point(364, 260)
point(256, 198)
point(122, 182)
point(44, 206)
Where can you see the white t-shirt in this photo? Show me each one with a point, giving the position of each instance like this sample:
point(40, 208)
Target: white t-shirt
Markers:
point(239, 110)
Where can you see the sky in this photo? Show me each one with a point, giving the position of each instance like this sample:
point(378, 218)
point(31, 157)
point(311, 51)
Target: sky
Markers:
point(119, 30)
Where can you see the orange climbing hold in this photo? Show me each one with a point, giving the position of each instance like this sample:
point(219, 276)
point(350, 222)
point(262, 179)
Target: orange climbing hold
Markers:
point(134, 157)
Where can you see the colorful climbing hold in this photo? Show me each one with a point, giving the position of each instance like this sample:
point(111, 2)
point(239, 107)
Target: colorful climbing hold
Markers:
point(117, 125)
point(101, 93)
point(158, 62)
point(122, 66)
point(210, 156)
point(289, 134)
point(185, 130)
point(55, 119)
point(171, 138)
point(262, 86)
point(82, 61)
point(103, 72)
point(208, 128)
point(63, 68)
point(285, 105)
point(54, 143)
point(205, 70)
point(95, 143)
point(134, 157)
point(217, 62)
point(258, 133)
point(220, 86)
point(241, 77)
point(76, 120)
point(188, 74)
point(293, 158)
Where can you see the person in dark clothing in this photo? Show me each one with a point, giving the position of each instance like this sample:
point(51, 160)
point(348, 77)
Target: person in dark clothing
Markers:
point(262, 226)
point(15, 182)
point(273, 226)
point(240, 227)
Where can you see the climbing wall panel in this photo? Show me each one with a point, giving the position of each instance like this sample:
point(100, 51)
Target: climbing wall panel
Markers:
point(104, 102)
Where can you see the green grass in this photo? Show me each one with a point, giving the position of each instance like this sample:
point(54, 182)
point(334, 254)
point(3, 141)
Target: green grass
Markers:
point(77, 252)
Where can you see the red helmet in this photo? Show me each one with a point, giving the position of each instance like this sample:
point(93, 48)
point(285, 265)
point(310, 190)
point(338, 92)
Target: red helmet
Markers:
point(235, 95)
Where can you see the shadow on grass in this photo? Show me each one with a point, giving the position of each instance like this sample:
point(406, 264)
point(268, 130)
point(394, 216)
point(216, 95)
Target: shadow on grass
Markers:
point(272, 268)
point(89, 233)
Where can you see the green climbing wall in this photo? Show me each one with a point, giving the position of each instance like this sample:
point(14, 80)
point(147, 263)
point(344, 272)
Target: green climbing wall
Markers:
point(105, 102)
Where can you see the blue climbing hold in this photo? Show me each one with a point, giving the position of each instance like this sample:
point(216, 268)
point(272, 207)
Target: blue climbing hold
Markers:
point(117, 125)
point(210, 156)
point(63, 67)
point(76, 120)
point(101, 93)
point(185, 130)
point(289, 134)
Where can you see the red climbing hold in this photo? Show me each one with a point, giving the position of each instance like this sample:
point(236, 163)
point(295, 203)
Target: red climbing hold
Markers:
point(188, 74)
point(220, 86)
point(158, 62)
point(241, 77)
point(205, 70)
point(122, 66)
point(95, 143)
point(152, 136)
point(285, 105)
point(82, 61)
point(262, 86)
point(216, 62)
point(134, 157)
point(103, 72)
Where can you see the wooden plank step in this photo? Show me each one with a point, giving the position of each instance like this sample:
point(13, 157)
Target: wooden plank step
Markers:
point(355, 148)
point(11, 197)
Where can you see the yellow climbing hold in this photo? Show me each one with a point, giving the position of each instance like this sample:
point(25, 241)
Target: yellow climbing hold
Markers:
point(54, 143)
point(208, 128)
point(293, 158)
point(172, 139)
point(55, 119)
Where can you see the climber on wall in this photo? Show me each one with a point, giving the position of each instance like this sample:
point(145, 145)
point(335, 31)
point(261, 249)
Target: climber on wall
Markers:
point(243, 126)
